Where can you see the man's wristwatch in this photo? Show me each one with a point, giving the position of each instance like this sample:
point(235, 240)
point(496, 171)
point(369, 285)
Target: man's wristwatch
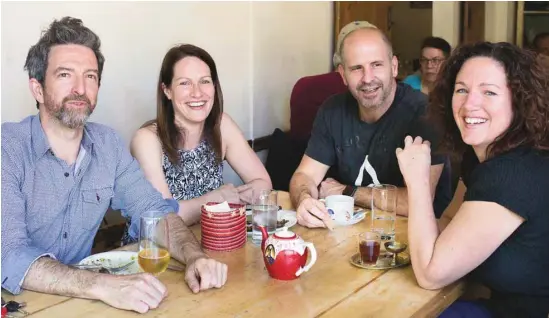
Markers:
point(349, 190)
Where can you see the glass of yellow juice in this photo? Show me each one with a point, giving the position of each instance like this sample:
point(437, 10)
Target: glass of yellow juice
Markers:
point(154, 255)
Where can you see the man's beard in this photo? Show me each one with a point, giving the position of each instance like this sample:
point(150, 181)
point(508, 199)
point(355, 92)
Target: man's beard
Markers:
point(385, 91)
point(70, 117)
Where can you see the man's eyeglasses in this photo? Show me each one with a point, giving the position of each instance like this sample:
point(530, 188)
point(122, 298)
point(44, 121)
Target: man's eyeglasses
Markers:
point(436, 61)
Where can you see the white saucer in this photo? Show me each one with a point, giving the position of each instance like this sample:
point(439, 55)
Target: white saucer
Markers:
point(359, 215)
point(114, 259)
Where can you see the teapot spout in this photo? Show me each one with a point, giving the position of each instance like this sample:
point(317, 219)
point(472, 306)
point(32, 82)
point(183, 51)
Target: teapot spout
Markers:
point(264, 236)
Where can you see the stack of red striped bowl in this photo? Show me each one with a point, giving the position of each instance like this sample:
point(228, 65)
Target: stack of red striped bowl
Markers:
point(225, 229)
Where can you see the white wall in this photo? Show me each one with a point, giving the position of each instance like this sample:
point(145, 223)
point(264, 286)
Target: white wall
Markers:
point(135, 37)
point(446, 21)
point(289, 39)
point(411, 27)
point(499, 21)
point(260, 48)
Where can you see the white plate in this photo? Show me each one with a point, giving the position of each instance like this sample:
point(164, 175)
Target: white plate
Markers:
point(357, 217)
point(114, 259)
point(288, 215)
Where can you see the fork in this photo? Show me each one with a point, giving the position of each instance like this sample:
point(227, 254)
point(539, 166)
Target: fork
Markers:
point(103, 269)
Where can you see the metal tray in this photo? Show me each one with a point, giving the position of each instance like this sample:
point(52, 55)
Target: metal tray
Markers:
point(383, 262)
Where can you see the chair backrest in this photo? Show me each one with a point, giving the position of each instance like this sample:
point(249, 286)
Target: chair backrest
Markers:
point(283, 158)
point(308, 94)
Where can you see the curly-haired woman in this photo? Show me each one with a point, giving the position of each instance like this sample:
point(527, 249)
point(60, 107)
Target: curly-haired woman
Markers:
point(492, 101)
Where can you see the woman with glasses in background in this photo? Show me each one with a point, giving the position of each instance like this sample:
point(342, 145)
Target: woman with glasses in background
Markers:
point(434, 51)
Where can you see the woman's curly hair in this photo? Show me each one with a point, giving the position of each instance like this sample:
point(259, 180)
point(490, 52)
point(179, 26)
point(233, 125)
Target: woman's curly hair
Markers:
point(528, 82)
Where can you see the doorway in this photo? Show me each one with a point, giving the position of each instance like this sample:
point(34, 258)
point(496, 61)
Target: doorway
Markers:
point(472, 21)
point(406, 24)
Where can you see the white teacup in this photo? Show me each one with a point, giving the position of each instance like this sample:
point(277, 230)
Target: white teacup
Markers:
point(340, 207)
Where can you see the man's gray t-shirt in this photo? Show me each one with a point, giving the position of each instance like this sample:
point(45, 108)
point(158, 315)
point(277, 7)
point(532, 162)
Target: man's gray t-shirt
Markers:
point(340, 138)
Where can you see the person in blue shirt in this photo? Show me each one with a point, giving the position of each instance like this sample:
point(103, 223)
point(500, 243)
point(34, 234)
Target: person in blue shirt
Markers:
point(434, 52)
point(61, 173)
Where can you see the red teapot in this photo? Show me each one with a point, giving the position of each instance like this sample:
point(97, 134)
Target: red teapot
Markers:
point(285, 254)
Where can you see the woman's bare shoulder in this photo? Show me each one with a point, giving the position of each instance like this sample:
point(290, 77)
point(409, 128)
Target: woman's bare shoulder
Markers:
point(145, 137)
point(229, 126)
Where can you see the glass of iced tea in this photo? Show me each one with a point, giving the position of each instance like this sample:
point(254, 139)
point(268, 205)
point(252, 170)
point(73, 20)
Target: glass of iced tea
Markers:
point(369, 244)
point(154, 254)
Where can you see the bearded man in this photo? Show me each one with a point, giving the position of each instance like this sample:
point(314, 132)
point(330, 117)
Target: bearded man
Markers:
point(61, 173)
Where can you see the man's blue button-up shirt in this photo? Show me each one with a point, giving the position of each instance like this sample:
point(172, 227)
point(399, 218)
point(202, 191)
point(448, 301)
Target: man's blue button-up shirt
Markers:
point(55, 209)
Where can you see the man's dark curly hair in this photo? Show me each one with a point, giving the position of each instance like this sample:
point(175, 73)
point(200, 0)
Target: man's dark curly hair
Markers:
point(68, 30)
point(529, 87)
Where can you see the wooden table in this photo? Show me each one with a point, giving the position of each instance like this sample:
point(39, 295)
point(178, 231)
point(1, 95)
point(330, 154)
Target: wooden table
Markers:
point(332, 288)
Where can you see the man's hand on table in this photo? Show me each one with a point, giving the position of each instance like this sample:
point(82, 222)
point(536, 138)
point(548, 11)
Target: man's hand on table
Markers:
point(330, 187)
point(205, 273)
point(142, 292)
point(139, 292)
point(312, 212)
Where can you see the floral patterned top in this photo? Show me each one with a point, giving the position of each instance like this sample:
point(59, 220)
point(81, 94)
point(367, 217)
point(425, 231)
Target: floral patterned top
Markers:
point(196, 174)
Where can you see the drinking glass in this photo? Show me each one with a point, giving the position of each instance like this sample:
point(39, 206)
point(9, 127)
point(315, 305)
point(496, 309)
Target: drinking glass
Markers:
point(383, 206)
point(154, 254)
point(369, 245)
point(264, 213)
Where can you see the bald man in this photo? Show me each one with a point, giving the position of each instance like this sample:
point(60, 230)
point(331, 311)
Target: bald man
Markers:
point(371, 119)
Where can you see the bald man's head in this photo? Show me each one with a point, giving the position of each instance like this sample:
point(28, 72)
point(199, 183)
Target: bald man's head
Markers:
point(369, 36)
point(369, 68)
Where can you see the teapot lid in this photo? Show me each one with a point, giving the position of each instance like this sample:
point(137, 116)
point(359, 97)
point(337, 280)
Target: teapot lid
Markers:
point(284, 233)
